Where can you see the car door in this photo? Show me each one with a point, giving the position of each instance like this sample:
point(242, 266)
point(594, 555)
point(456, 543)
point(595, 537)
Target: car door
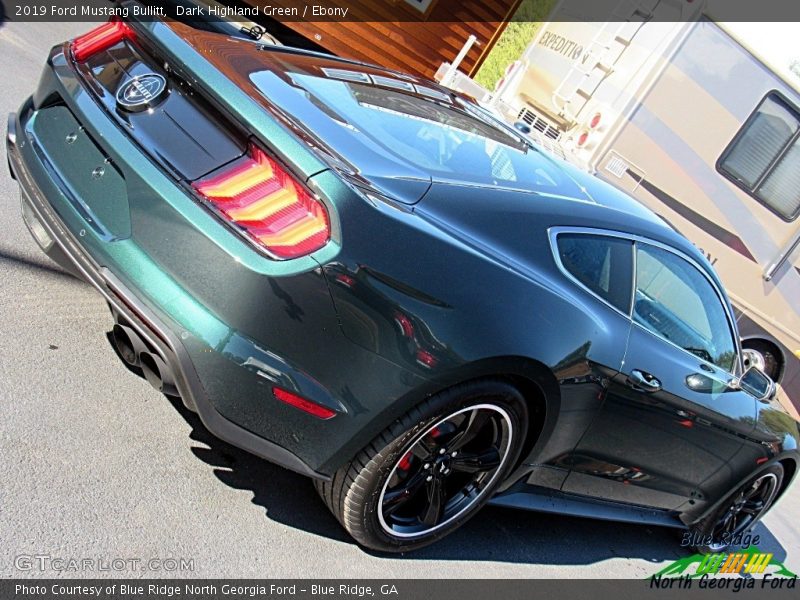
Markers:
point(670, 420)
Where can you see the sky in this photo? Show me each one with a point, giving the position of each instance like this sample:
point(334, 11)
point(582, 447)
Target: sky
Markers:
point(777, 44)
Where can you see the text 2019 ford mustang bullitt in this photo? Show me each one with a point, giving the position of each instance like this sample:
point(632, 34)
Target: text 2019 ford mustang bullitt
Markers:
point(363, 277)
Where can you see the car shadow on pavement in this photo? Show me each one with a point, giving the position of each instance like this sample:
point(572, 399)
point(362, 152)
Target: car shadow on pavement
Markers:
point(286, 497)
point(12, 258)
point(496, 534)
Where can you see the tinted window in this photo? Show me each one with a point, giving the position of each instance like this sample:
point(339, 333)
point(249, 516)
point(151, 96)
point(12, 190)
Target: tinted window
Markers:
point(764, 158)
point(677, 302)
point(439, 134)
point(602, 264)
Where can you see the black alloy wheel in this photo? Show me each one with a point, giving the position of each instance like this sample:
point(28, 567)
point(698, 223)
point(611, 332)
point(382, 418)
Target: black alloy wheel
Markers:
point(741, 511)
point(445, 470)
point(431, 470)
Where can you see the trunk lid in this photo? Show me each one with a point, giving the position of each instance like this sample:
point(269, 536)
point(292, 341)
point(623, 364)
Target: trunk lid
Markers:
point(171, 123)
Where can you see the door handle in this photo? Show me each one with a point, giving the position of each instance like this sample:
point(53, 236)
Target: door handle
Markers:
point(643, 381)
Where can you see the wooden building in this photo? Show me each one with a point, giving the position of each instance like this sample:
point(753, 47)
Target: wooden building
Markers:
point(415, 36)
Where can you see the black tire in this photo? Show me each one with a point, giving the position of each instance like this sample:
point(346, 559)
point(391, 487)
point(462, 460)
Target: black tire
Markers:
point(709, 528)
point(356, 492)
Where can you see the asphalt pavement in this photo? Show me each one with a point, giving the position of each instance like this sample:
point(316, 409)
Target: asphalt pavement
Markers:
point(95, 464)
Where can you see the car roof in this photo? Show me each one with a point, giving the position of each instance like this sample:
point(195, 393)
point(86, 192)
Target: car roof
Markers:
point(583, 188)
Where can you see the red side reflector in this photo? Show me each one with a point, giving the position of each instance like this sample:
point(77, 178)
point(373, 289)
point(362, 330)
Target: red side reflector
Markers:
point(426, 359)
point(405, 324)
point(269, 206)
point(321, 412)
point(100, 38)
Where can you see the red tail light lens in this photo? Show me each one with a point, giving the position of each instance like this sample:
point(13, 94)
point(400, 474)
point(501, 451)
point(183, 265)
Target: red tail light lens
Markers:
point(269, 206)
point(100, 38)
point(321, 412)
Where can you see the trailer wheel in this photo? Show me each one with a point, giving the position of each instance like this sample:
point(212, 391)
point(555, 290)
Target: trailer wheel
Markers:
point(770, 357)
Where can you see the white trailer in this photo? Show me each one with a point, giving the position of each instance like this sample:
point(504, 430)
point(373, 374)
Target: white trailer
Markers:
point(668, 105)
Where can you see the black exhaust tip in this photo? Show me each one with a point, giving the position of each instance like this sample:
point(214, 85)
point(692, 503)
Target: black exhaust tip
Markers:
point(128, 343)
point(158, 373)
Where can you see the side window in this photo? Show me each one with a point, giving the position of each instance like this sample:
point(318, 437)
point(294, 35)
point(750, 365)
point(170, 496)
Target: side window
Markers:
point(675, 301)
point(602, 264)
point(764, 157)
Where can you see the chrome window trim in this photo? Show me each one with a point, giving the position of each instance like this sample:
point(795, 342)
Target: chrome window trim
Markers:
point(554, 232)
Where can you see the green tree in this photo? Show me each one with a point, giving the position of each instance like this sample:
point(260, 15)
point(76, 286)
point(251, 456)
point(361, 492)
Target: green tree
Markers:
point(513, 41)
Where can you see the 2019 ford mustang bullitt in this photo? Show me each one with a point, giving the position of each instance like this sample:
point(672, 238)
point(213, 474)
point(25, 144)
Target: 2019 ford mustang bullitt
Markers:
point(363, 277)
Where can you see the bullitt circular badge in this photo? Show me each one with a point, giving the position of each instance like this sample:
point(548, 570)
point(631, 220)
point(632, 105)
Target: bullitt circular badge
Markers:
point(141, 92)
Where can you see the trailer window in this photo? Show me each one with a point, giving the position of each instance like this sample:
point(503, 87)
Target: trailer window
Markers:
point(764, 157)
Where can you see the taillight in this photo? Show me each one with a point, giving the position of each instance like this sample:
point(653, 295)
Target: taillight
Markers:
point(100, 38)
point(269, 206)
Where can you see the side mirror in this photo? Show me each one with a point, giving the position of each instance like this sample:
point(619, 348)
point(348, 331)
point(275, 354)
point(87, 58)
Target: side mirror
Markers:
point(756, 383)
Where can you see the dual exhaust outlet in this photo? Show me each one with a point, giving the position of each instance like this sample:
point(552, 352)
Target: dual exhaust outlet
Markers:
point(136, 353)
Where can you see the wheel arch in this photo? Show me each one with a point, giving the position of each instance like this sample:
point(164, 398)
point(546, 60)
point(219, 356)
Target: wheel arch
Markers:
point(535, 381)
point(789, 466)
point(789, 469)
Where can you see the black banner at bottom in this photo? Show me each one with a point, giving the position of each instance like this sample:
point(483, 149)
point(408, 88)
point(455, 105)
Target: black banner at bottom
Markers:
point(399, 589)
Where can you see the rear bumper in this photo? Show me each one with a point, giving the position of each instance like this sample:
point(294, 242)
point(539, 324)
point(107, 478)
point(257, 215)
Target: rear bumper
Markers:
point(153, 328)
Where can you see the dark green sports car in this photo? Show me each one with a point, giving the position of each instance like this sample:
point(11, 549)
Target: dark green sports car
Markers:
point(366, 278)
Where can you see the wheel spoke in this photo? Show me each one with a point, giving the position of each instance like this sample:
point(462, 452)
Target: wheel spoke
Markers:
point(736, 523)
point(753, 506)
point(435, 507)
point(396, 498)
point(722, 526)
point(469, 430)
point(751, 493)
point(423, 449)
point(476, 462)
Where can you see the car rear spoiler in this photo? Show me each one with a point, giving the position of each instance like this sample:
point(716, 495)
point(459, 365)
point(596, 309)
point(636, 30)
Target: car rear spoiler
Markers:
point(195, 13)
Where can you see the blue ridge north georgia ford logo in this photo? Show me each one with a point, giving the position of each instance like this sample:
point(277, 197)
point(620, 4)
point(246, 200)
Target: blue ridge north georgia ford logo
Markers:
point(141, 92)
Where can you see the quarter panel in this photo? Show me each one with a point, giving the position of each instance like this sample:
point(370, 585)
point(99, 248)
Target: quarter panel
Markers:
point(435, 300)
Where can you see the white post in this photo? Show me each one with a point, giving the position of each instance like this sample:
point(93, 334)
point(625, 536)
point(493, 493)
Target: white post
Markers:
point(453, 68)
